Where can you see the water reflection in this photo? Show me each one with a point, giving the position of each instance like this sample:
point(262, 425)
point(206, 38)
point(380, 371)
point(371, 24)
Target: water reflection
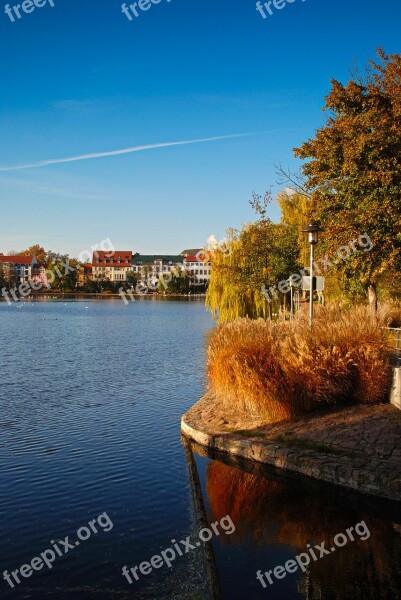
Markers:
point(212, 590)
point(277, 515)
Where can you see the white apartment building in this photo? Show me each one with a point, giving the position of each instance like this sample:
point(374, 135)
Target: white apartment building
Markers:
point(197, 263)
point(149, 267)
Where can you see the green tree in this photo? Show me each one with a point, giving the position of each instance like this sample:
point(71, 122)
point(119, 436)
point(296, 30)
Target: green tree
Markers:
point(62, 272)
point(252, 260)
point(132, 278)
point(179, 283)
point(354, 172)
point(92, 287)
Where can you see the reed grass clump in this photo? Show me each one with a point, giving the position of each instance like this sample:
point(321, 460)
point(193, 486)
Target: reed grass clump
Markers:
point(389, 313)
point(278, 370)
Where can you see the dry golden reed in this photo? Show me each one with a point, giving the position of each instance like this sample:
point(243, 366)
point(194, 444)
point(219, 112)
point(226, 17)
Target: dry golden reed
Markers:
point(278, 370)
point(389, 313)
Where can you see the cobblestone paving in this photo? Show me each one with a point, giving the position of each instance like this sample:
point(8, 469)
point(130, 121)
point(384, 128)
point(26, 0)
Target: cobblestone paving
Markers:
point(358, 447)
point(374, 431)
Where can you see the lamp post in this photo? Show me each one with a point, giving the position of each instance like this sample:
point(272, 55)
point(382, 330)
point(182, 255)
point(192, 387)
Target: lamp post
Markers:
point(312, 230)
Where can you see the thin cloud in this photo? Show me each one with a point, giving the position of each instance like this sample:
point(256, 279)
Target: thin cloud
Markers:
point(57, 161)
point(82, 106)
point(43, 188)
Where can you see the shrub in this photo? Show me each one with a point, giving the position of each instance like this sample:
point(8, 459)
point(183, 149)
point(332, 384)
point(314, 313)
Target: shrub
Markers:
point(278, 370)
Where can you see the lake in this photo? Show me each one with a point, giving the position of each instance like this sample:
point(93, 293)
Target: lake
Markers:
point(92, 393)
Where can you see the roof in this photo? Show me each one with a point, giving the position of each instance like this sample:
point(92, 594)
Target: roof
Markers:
point(21, 260)
point(200, 258)
point(191, 252)
point(150, 258)
point(123, 254)
point(103, 258)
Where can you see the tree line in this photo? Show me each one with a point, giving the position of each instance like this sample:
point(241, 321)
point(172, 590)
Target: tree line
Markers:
point(349, 183)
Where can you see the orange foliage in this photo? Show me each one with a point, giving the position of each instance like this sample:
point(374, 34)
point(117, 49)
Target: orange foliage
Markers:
point(279, 370)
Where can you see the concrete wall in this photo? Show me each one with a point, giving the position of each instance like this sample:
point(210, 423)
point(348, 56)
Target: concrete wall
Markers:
point(395, 395)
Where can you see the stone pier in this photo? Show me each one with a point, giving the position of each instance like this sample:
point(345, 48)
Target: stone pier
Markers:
point(358, 448)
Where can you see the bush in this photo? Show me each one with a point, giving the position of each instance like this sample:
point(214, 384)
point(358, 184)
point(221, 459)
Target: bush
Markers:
point(278, 370)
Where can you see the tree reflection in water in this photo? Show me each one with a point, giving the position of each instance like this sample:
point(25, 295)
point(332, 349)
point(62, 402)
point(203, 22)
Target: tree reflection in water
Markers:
point(272, 509)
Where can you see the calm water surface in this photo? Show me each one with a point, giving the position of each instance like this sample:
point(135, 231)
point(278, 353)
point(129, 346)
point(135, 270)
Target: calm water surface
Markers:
point(91, 399)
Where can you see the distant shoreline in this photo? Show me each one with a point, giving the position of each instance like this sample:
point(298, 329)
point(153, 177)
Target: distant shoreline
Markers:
point(95, 296)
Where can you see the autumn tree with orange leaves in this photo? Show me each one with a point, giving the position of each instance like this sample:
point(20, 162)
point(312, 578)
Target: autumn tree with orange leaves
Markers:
point(353, 172)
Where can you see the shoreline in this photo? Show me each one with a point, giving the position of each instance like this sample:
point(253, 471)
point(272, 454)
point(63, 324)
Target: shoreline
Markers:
point(358, 448)
point(99, 296)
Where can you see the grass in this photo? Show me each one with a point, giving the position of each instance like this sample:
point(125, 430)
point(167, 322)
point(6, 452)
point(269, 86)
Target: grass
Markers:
point(287, 438)
point(248, 432)
point(302, 444)
point(278, 371)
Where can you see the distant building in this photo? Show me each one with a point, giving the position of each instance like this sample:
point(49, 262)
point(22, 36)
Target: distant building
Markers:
point(39, 275)
point(198, 266)
point(149, 267)
point(18, 269)
point(84, 274)
point(23, 269)
point(111, 266)
point(191, 252)
point(7, 274)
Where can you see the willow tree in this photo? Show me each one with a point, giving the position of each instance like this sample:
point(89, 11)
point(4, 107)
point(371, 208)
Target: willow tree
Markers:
point(354, 171)
point(295, 213)
point(259, 256)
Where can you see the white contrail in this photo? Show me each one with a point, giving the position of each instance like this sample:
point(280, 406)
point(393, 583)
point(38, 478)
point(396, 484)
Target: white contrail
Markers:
point(56, 161)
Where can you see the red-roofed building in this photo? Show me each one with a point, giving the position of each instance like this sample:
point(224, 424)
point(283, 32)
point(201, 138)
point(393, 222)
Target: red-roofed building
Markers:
point(84, 274)
point(18, 269)
point(112, 266)
point(198, 266)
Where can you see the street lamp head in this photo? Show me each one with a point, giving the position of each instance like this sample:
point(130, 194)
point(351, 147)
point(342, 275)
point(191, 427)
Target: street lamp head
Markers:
point(313, 230)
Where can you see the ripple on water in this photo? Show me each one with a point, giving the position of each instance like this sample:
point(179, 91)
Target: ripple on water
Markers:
point(90, 423)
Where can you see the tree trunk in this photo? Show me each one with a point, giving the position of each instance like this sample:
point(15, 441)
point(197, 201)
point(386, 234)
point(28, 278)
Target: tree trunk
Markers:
point(373, 298)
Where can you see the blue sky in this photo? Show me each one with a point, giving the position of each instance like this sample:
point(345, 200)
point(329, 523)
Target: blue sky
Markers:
point(80, 78)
